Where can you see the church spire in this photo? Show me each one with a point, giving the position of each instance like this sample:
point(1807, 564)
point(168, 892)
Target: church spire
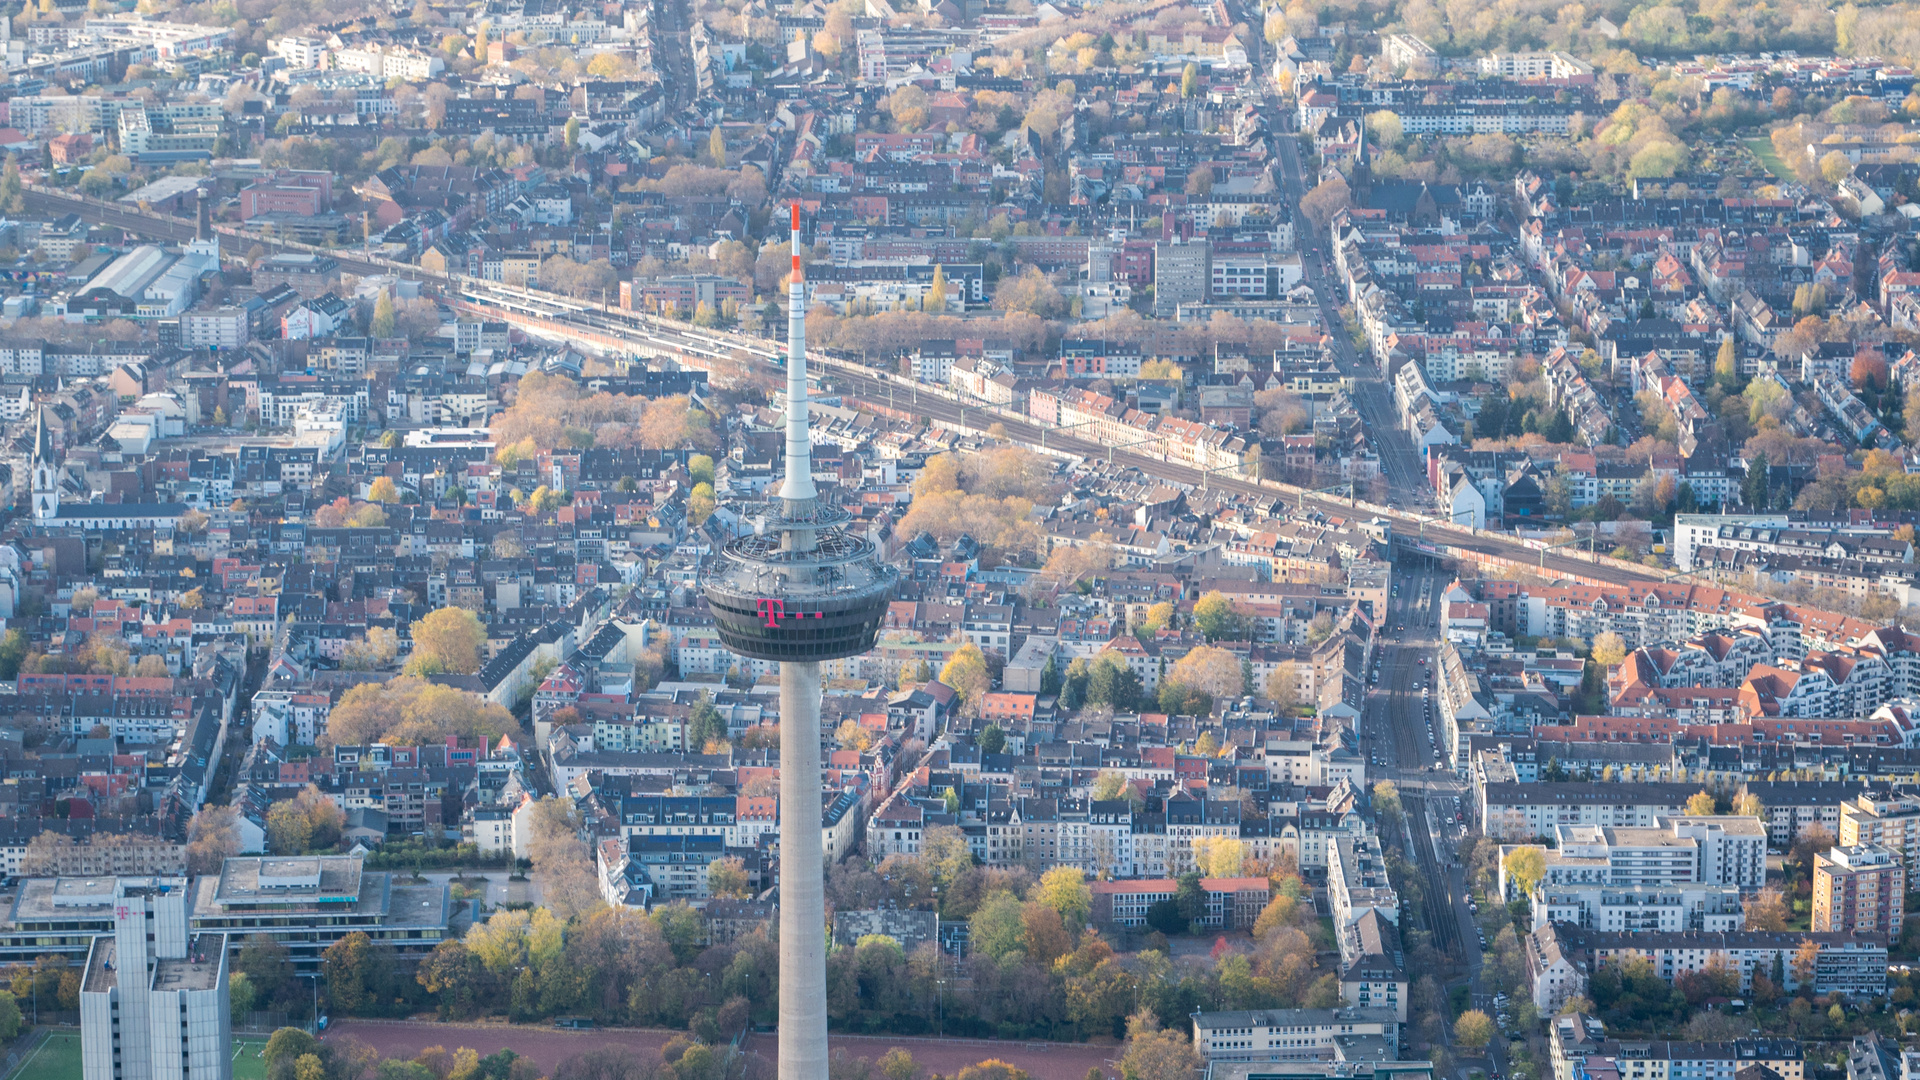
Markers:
point(42, 442)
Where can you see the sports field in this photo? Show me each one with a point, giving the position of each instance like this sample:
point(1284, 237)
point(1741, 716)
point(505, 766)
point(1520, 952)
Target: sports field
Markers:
point(58, 1058)
point(549, 1046)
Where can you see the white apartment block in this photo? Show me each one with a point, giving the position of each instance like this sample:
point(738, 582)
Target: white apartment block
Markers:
point(1623, 908)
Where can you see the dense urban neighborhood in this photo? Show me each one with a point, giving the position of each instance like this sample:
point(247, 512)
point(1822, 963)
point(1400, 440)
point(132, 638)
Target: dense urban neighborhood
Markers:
point(1358, 541)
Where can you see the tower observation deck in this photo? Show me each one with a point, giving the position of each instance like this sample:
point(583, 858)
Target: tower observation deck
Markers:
point(798, 587)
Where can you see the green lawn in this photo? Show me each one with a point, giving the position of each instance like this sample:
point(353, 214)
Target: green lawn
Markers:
point(58, 1058)
point(1763, 149)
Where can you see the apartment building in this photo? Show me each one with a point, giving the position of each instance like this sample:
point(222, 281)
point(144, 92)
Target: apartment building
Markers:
point(1516, 811)
point(1846, 964)
point(1792, 807)
point(1357, 881)
point(1859, 890)
point(1721, 851)
point(1885, 818)
point(1666, 908)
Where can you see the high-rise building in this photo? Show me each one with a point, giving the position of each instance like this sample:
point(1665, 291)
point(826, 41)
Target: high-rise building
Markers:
point(153, 1000)
point(1885, 818)
point(1859, 890)
point(798, 589)
point(1181, 275)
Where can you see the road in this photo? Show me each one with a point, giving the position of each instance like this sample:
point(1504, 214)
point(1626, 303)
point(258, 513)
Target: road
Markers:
point(676, 56)
point(1404, 468)
point(1400, 735)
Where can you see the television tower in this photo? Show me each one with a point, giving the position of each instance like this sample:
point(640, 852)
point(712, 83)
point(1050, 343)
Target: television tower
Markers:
point(799, 590)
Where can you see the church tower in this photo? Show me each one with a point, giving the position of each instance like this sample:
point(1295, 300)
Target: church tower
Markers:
point(46, 473)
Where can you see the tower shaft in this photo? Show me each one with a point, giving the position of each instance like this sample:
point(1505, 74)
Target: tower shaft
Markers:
point(803, 910)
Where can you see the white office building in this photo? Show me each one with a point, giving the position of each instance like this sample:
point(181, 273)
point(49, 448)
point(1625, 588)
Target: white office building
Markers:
point(153, 1000)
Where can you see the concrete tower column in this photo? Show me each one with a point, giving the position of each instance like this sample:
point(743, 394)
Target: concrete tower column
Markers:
point(803, 908)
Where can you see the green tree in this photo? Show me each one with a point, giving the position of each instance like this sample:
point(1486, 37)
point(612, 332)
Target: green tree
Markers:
point(996, 927)
point(288, 1043)
point(1754, 488)
point(704, 724)
point(10, 1019)
point(13, 650)
point(1700, 804)
point(992, 739)
point(240, 998)
point(1218, 617)
point(573, 133)
point(12, 191)
point(700, 467)
point(1189, 80)
point(357, 972)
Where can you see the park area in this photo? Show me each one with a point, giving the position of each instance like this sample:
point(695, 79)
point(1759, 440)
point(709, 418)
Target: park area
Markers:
point(549, 1046)
point(57, 1057)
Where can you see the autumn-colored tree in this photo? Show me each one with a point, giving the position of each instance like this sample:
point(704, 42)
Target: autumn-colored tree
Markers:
point(1473, 1030)
point(1325, 201)
point(1065, 890)
point(935, 302)
point(1835, 166)
point(966, 672)
point(1209, 669)
point(1154, 1054)
point(1869, 370)
point(700, 504)
point(212, 836)
point(448, 640)
point(412, 711)
point(383, 490)
point(1806, 961)
point(1609, 649)
point(1525, 866)
point(728, 878)
point(1386, 800)
point(1766, 910)
point(1218, 617)
point(1700, 804)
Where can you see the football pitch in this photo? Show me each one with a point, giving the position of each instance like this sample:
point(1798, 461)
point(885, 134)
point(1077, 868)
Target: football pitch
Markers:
point(57, 1057)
